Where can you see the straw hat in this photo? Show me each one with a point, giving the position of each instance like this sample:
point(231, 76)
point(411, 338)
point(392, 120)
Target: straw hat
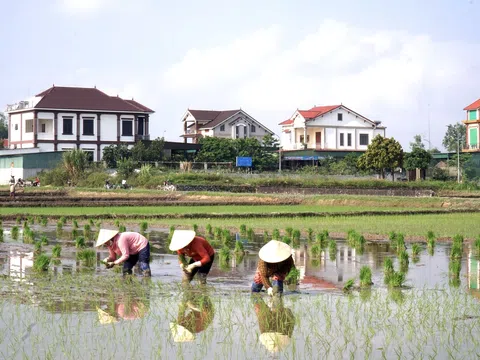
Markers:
point(275, 251)
point(181, 238)
point(105, 235)
point(105, 318)
point(181, 334)
point(274, 341)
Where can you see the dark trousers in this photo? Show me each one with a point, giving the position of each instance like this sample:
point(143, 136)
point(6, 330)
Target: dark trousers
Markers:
point(143, 259)
point(202, 271)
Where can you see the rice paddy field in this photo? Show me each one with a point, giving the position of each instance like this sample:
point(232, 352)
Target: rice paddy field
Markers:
point(401, 294)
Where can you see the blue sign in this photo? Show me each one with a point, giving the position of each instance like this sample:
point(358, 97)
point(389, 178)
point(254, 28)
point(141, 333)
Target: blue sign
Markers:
point(244, 161)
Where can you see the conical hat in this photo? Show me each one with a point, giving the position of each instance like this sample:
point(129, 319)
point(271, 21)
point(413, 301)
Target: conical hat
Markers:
point(274, 342)
point(104, 235)
point(181, 238)
point(105, 318)
point(181, 334)
point(275, 251)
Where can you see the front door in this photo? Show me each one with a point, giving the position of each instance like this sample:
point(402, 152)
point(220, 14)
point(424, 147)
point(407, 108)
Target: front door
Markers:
point(318, 140)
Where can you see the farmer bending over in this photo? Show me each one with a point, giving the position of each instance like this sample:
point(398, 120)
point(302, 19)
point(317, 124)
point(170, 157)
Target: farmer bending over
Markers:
point(130, 246)
point(199, 250)
point(275, 262)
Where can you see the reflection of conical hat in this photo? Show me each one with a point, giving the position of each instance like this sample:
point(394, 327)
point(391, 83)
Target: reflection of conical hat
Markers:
point(274, 342)
point(105, 235)
point(105, 318)
point(181, 238)
point(181, 334)
point(275, 251)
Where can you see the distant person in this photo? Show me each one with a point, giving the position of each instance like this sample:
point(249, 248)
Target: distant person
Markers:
point(275, 262)
point(201, 253)
point(130, 246)
point(12, 191)
point(36, 182)
point(12, 180)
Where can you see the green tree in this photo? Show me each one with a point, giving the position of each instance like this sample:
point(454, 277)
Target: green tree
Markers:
point(269, 140)
point(113, 153)
point(125, 167)
point(382, 154)
point(417, 143)
point(418, 158)
point(139, 152)
point(155, 150)
point(75, 162)
point(216, 150)
point(3, 126)
point(453, 133)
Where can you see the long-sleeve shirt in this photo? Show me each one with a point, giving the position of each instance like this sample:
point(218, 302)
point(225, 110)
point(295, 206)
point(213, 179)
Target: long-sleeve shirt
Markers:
point(199, 250)
point(276, 270)
point(124, 245)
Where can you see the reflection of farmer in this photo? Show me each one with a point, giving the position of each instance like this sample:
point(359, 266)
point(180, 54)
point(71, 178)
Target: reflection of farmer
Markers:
point(130, 246)
point(195, 314)
point(276, 324)
point(126, 310)
point(275, 262)
point(199, 250)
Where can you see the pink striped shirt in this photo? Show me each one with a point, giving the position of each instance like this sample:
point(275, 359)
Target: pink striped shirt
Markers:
point(126, 244)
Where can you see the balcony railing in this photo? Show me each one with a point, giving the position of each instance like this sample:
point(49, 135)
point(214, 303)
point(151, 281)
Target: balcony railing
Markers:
point(471, 147)
point(143, 137)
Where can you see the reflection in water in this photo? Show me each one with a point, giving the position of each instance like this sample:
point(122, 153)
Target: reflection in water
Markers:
point(126, 309)
point(18, 264)
point(195, 314)
point(276, 323)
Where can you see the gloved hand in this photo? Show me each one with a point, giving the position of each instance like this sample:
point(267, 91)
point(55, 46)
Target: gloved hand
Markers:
point(270, 291)
point(106, 260)
point(110, 265)
point(192, 266)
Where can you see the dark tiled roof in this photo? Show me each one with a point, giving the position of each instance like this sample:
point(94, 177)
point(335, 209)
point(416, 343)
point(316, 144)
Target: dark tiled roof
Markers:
point(213, 117)
point(76, 98)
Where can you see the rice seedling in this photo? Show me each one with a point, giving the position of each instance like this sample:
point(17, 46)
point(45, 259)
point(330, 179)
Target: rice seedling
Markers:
point(227, 239)
point(310, 235)
point(74, 233)
point(56, 251)
point(87, 231)
point(397, 278)
point(403, 256)
point(266, 236)
point(296, 239)
point(171, 231)
point(400, 243)
point(315, 250)
point(287, 240)
point(195, 227)
point(143, 227)
point(75, 223)
point(431, 239)
point(41, 262)
point(117, 223)
point(458, 239)
point(225, 256)
point(98, 225)
point(1, 235)
point(18, 220)
point(44, 240)
point(349, 284)
point(31, 220)
point(208, 229)
point(122, 228)
point(322, 240)
point(293, 277)
point(276, 234)
point(15, 232)
point(392, 236)
point(454, 268)
point(332, 249)
point(37, 248)
point(79, 242)
point(25, 224)
point(250, 234)
point(239, 247)
point(415, 250)
point(388, 269)
point(86, 257)
point(59, 226)
point(217, 233)
point(289, 231)
point(476, 244)
point(44, 221)
point(91, 223)
point(28, 236)
point(63, 220)
point(456, 251)
point(365, 276)
point(243, 230)
point(1, 222)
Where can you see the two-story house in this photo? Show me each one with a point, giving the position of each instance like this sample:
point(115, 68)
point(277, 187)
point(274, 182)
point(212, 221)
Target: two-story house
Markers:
point(231, 124)
point(329, 128)
point(66, 118)
point(472, 124)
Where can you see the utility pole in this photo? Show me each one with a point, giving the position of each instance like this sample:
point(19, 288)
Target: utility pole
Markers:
point(279, 159)
point(458, 158)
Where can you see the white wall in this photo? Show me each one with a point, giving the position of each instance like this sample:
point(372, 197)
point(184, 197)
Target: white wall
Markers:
point(348, 120)
point(330, 141)
point(46, 147)
point(108, 127)
point(47, 119)
point(15, 119)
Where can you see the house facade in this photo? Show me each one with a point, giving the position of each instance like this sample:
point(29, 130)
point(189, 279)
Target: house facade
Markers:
point(67, 118)
point(329, 128)
point(472, 124)
point(232, 124)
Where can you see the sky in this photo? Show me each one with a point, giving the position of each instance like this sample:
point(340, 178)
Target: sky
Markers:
point(413, 65)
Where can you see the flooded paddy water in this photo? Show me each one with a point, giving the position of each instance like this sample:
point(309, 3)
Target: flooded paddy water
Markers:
point(74, 311)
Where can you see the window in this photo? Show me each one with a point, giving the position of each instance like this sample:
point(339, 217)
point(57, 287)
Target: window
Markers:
point(89, 153)
point(339, 116)
point(141, 126)
point(222, 127)
point(127, 127)
point(363, 139)
point(16, 126)
point(472, 115)
point(252, 128)
point(67, 126)
point(28, 126)
point(349, 139)
point(303, 138)
point(43, 128)
point(342, 141)
point(88, 126)
point(237, 131)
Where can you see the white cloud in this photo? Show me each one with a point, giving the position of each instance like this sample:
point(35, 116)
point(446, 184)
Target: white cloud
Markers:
point(389, 76)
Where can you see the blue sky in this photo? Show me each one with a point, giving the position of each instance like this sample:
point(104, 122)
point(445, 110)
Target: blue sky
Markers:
point(400, 62)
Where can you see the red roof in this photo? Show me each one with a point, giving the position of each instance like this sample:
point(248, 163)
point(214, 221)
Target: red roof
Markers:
point(286, 122)
point(76, 98)
point(317, 111)
point(473, 106)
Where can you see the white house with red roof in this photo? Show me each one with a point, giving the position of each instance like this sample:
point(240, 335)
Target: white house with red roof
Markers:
point(232, 124)
point(329, 128)
point(66, 118)
point(472, 124)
